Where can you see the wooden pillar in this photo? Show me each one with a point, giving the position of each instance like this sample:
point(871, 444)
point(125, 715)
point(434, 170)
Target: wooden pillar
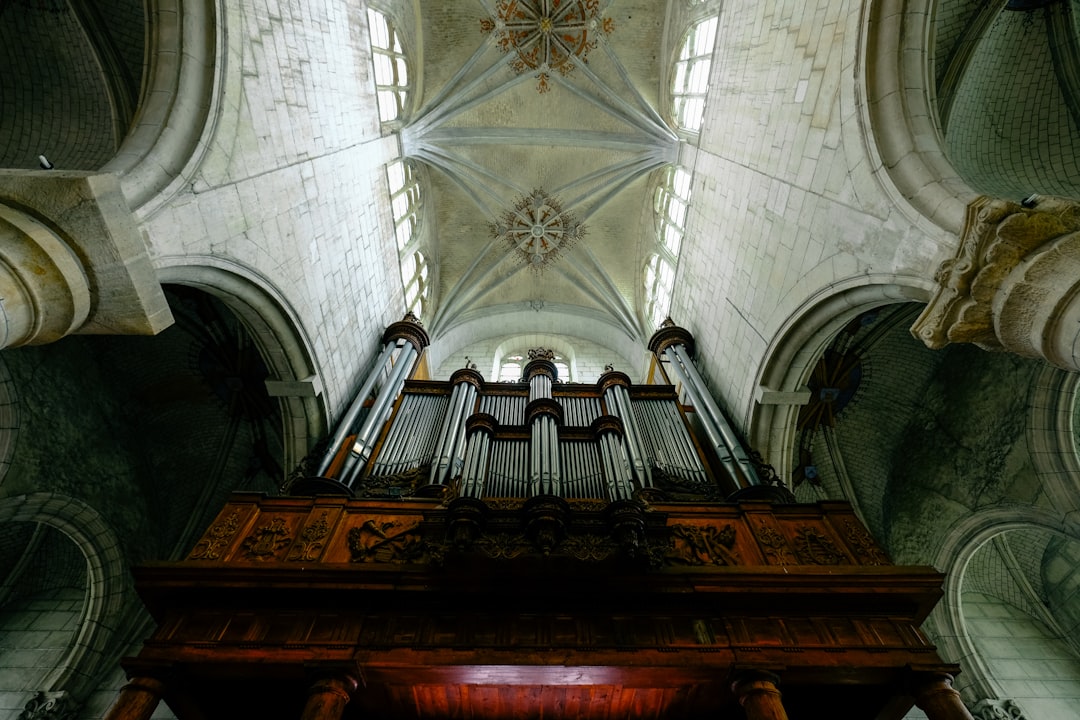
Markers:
point(757, 693)
point(935, 696)
point(328, 697)
point(137, 699)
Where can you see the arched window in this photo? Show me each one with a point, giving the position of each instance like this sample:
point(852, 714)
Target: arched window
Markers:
point(659, 282)
point(391, 69)
point(691, 77)
point(672, 201)
point(510, 369)
point(414, 277)
point(404, 201)
point(513, 363)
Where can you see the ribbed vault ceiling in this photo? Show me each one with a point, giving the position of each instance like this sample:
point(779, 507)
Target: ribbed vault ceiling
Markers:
point(592, 140)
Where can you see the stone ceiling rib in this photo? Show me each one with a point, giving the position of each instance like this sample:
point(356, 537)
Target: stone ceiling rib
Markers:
point(642, 167)
point(530, 136)
point(602, 295)
point(589, 138)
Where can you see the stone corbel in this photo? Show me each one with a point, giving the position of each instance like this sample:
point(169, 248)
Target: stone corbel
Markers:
point(72, 260)
point(1014, 284)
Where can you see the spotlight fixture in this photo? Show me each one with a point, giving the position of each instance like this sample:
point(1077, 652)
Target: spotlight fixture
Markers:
point(44, 162)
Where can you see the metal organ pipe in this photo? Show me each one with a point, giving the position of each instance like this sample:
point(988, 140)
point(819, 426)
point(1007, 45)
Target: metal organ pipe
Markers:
point(723, 450)
point(349, 419)
point(676, 344)
point(608, 430)
point(451, 446)
point(479, 429)
point(365, 438)
point(618, 402)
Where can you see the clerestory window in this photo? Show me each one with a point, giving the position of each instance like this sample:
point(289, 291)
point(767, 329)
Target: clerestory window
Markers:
point(690, 81)
point(672, 203)
point(414, 277)
point(659, 283)
point(512, 365)
point(404, 201)
point(391, 67)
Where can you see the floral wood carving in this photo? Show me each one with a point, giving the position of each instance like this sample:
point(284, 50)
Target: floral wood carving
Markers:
point(310, 543)
point(503, 546)
point(267, 541)
point(774, 545)
point(402, 484)
point(375, 542)
point(216, 538)
point(694, 545)
point(816, 548)
point(863, 544)
point(589, 548)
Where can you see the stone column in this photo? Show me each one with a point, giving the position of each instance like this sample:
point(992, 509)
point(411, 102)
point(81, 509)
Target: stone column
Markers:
point(137, 700)
point(757, 693)
point(44, 289)
point(328, 697)
point(935, 696)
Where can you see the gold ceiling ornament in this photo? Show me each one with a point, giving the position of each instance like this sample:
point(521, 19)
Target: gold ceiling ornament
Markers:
point(547, 35)
point(538, 229)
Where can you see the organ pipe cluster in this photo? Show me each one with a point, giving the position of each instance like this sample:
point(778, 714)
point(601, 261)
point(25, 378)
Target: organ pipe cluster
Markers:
point(676, 345)
point(533, 439)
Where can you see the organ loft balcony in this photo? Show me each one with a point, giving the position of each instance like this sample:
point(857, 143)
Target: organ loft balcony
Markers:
point(536, 549)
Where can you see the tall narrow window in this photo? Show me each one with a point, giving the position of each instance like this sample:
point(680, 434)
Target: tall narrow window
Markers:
point(672, 202)
point(404, 201)
point(391, 69)
point(414, 277)
point(659, 282)
point(691, 77)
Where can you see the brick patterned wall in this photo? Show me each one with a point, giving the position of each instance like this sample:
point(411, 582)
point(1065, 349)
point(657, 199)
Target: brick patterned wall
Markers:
point(1010, 132)
point(784, 203)
point(51, 75)
point(1033, 667)
point(293, 190)
point(34, 636)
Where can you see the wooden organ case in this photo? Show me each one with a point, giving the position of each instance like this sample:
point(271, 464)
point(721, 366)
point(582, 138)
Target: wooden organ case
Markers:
point(535, 550)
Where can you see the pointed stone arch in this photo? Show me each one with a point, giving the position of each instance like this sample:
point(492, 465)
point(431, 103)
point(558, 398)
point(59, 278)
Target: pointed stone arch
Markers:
point(279, 335)
point(109, 597)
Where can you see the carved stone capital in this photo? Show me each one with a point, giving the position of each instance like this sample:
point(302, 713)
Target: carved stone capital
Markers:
point(1014, 283)
point(49, 706)
point(998, 709)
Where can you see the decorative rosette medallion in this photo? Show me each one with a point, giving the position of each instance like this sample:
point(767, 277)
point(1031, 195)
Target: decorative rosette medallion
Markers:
point(547, 35)
point(538, 229)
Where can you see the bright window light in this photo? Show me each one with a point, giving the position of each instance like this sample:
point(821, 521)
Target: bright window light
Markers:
point(404, 202)
point(690, 81)
point(659, 282)
point(414, 275)
point(391, 67)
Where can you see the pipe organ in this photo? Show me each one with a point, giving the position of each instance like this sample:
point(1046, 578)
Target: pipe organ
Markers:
point(537, 437)
point(537, 548)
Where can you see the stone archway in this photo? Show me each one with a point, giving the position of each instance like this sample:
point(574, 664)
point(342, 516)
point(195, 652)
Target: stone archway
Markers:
point(108, 597)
